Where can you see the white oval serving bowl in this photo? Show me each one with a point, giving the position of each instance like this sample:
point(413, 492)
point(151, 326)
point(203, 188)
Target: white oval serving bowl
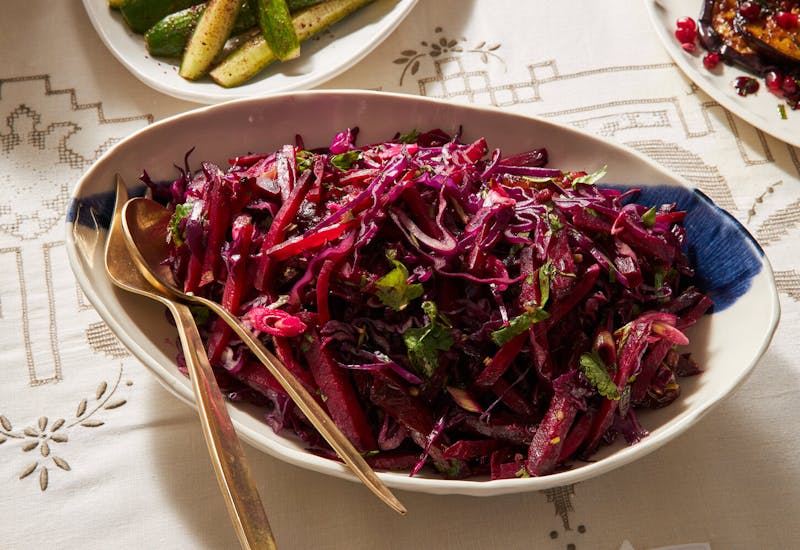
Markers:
point(727, 344)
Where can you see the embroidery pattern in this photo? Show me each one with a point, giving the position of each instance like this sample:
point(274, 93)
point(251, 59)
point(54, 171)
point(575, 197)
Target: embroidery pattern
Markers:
point(411, 58)
point(47, 437)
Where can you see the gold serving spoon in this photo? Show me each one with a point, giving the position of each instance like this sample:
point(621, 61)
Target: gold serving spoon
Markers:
point(145, 224)
point(227, 456)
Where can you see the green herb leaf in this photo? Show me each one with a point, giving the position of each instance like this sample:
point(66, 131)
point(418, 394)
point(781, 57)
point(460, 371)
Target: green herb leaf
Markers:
point(546, 274)
point(424, 344)
point(649, 217)
point(597, 373)
point(344, 161)
point(537, 179)
point(410, 137)
point(555, 223)
point(181, 211)
point(200, 314)
point(590, 179)
point(451, 471)
point(393, 289)
point(518, 325)
point(304, 160)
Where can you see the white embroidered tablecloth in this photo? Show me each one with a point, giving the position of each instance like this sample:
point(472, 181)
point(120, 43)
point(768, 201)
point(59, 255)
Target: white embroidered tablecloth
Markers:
point(95, 454)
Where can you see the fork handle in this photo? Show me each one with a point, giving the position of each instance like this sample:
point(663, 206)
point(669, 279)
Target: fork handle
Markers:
point(227, 456)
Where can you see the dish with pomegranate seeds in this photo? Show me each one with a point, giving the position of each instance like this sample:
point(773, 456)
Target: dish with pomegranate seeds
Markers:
point(743, 54)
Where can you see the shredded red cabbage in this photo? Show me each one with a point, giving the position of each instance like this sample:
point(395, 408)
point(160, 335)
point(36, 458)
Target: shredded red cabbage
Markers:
point(451, 307)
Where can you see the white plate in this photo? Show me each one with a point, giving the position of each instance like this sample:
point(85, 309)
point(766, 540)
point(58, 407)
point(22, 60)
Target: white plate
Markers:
point(349, 41)
point(727, 344)
point(760, 109)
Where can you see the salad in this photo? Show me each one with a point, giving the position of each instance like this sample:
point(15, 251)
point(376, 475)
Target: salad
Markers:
point(454, 308)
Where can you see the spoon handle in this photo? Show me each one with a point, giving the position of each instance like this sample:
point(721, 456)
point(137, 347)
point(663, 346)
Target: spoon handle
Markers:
point(227, 456)
point(313, 411)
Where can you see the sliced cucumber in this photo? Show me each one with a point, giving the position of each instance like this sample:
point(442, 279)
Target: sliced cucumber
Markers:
point(140, 15)
point(208, 38)
point(168, 37)
point(275, 22)
point(253, 56)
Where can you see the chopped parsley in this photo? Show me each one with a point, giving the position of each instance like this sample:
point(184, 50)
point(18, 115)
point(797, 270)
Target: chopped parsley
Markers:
point(181, 211)
point(425, 343)
point(649, 217)
point(393, 289)
point(345, 161)
point(305, 160)
point(410, 137)
point(590, 179)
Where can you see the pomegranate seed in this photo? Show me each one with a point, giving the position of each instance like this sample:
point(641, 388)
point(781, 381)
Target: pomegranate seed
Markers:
point(745, 85)
point(789, 86)
point(786, 20)
point(689, 47)
point(750, 10)
point(711, 60)
point(686, 23)
point(774, 79)
point(685, 35)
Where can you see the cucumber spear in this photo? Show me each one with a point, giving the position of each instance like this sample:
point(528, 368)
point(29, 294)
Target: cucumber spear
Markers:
point(208, 38)
point(251, 58)
point(275, 23)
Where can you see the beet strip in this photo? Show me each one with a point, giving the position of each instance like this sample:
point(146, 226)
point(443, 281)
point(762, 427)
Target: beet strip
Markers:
point(277, 230)
point(630, 358)
point(501, 361)
point(339, 395)
point(466, 449)
point(219, 216)
point(235, 286)
point(545, 449)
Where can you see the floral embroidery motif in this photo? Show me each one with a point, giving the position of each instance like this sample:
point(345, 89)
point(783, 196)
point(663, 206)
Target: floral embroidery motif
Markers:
point(46, 437)
point(411, 58)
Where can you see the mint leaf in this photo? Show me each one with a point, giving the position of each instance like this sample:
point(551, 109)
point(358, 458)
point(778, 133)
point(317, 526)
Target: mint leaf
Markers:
point(451, 471)
point(200, 314)
point(590, 179)
point(304, 160)
point(518, 325)
point(393, 289)
point(410, 137)
point(181, 211)
point(595, 370)
point(344, 161)
point(649, 217)
point(546, 274)
point(425, 343)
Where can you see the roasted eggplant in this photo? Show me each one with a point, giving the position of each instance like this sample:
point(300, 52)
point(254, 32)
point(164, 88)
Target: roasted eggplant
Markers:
point(718, 33)
point(773, 33)
point(752, 35)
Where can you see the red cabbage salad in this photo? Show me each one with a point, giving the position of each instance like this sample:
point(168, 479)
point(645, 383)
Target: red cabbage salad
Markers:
point(452, 308)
